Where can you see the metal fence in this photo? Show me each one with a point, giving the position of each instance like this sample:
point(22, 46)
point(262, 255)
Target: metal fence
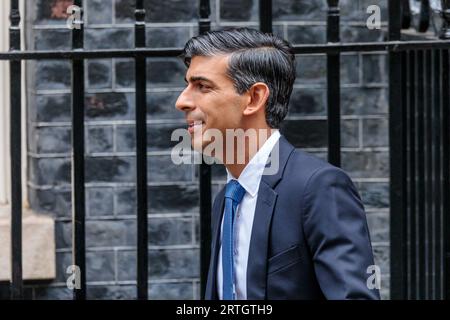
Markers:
point(419, 143)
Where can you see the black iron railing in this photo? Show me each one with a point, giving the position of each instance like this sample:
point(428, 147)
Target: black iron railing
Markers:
point(419, 106)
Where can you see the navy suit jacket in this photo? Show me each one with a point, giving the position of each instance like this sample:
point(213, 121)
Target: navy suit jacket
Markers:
point(309, 239)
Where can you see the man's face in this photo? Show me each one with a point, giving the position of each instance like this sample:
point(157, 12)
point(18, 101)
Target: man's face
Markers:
point(210, 100)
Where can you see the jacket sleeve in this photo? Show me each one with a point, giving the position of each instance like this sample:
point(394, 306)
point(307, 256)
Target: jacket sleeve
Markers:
point(336, 231)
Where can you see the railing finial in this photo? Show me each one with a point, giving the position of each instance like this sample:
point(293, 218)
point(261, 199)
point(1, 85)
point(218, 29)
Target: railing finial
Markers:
point(14, 29)
point(204, 22)
point(445, 13)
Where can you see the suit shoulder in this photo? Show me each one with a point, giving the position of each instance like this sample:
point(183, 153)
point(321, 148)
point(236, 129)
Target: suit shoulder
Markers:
point(303, 167)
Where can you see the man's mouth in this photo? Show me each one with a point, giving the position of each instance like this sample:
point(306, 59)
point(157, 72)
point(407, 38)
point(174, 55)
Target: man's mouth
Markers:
point(195, 125)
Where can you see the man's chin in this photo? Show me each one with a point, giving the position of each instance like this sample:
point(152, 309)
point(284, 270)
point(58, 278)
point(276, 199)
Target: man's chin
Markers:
point(201, 147)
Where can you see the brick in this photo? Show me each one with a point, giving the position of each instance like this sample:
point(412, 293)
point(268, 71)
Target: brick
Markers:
point(100, 266)
point(126, 265)
point(53, 293)
point(122, 38)
point(110, 169)
point(306, 34)
point(111, 106)
point(100, 139)
point(124, 73)
point(50, 139)
point(239, 10)
point(51, 108)
point(357, 10)
point(311, 69)
point(287, 10)
point(378, 226)
point(99, 73)
point(161, 105)
point(52, 75)
point(49, 171)
point(314, 133)
point(305, 133)
point(99, 12)
point(63, 261)
point(161, 199)
point(161, 72)
point(124, 11)
point(374, 194)
point(376, 132)
point(183, 263)
point(100, 201)
point(172, 11)
point(361, 34)
point(53, 39)
point(63, 235)
point(375, 68)
point(163, 264)
point(308, 102)
point(350, 69)
point(165, 72)
point(366, 164)
point(110, 233)
point(367, 101)
point(158, 137)
point(171, 291)
point(381, 257)
point(350, 133)
point(51, 201)
point(162, 169)
point(170, 231)
point(111, 292)
point(175, 37)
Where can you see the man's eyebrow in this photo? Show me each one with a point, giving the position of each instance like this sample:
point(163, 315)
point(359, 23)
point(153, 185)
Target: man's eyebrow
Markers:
point(199, 78)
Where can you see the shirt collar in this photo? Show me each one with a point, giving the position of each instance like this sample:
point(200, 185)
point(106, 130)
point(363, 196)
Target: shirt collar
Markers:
point(253, 171)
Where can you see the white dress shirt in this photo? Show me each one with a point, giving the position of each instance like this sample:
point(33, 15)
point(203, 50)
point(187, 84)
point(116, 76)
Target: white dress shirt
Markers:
point(249, 179)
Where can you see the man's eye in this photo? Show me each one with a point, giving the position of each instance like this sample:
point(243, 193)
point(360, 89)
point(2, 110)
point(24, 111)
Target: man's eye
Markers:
point(202, 87)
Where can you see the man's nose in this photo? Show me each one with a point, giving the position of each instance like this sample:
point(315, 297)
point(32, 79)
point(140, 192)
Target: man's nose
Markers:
point(184, 101)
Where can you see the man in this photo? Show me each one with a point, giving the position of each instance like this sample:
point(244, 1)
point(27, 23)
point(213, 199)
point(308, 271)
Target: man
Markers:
point(299, 232)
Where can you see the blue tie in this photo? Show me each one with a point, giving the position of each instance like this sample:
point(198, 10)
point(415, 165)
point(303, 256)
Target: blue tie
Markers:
point(234, 193)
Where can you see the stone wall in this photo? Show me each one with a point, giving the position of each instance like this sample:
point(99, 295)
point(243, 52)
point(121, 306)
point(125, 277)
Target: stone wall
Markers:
point(173, 190)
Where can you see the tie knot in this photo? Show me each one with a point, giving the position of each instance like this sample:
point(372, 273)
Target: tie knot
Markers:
point(234, 191)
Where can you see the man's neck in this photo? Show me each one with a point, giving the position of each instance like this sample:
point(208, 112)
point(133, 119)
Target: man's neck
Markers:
point(236, 167)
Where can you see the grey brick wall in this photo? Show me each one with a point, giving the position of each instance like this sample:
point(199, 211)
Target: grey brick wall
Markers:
point(173, 190)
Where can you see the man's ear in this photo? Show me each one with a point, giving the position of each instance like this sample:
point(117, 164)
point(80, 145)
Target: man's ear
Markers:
point(258, 94)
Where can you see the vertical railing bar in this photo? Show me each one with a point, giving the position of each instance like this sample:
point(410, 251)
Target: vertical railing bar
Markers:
point(436, 175)
point(428, 178)
point(265, 16)
point(445, 229)
point(407, 88)
point(412, 175)
point(141, 156)
point(446, 168)
point(16, 155)
point(204, 25)
point(397, 169)
point(418, 196)
point(78, 174)
point(421, 175)
point(333, 86)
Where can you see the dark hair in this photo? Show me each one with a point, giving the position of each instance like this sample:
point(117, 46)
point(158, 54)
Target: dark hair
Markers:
point(254, 57)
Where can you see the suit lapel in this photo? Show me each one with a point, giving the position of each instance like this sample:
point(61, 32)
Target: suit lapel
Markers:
point(257, 259)
point(217, 213)
point(259, 243)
